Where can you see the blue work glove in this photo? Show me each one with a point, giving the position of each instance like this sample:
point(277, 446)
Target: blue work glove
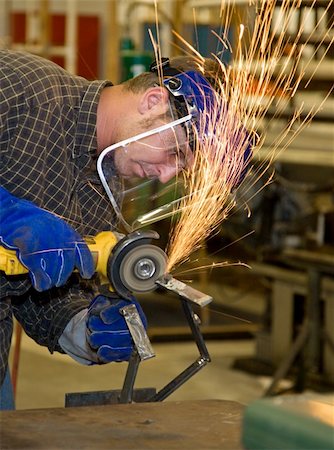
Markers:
point(45, 244)
point(107, 331)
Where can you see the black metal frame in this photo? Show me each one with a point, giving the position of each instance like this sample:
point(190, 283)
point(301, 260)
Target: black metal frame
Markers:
point(128, 393)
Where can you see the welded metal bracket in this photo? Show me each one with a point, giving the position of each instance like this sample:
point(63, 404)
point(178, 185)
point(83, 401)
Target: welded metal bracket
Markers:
point(188, 297)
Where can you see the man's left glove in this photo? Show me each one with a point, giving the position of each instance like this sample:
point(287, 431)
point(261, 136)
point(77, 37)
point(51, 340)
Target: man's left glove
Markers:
point(49, 247)
point(107, 331)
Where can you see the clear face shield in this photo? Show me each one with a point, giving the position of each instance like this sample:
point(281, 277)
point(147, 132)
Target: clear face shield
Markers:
point(140, 174)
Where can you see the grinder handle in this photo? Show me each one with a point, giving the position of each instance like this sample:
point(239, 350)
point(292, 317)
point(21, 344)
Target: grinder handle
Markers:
point(10, 264)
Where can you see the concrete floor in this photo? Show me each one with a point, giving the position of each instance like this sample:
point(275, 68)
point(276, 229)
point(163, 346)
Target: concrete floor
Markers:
point(44, 379)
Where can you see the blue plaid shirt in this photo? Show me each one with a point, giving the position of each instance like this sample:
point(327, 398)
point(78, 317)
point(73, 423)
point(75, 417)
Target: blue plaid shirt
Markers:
point(47, 155)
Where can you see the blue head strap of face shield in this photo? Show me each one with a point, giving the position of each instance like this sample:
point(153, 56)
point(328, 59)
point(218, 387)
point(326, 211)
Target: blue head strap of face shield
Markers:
point(192, 93)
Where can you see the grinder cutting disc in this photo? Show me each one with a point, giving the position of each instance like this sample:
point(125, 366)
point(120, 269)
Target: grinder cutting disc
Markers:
point(142, 266)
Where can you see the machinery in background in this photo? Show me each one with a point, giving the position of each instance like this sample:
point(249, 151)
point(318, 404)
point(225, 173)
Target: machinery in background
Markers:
point(291, 254)
point(291, 202)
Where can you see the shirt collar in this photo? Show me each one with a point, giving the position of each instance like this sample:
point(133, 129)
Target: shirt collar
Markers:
point(85, 137)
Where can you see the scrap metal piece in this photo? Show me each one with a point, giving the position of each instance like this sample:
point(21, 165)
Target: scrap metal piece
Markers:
point(138, 332)
point(183, 290)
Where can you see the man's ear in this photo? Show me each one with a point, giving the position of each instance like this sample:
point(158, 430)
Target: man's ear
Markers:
point(154, 100)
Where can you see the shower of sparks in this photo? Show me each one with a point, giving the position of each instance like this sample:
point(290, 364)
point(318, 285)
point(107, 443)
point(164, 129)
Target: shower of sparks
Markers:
point(263, 75)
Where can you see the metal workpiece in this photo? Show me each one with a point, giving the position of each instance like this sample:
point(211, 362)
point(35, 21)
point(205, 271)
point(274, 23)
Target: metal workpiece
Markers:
point(143, 350)
point(142, 345)
point(170, 283)
point(197, 365)
point(138, 332)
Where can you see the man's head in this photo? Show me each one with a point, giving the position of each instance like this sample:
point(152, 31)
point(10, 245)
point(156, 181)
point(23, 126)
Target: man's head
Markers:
point(161, 95)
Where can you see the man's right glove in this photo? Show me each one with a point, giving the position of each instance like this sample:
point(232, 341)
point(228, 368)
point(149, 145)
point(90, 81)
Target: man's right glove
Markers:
point(107, 331)
point(45, 244)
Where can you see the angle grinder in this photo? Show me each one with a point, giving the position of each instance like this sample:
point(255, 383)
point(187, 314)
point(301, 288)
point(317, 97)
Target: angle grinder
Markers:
point(129, 263)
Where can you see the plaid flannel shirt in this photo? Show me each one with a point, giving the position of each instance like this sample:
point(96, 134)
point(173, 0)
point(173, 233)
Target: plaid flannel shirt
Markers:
point(47, 155)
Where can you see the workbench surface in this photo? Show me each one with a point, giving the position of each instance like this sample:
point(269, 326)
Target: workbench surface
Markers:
point(203, 424)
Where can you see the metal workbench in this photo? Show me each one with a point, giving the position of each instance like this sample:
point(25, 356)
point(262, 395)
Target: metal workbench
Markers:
point(205, 424)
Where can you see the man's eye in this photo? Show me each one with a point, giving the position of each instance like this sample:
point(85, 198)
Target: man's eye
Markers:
point(177, 156)
point(181, 160)
point(173, 154)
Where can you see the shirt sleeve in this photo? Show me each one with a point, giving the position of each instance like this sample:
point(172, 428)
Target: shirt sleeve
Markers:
point(74, 341)
point(45, 315)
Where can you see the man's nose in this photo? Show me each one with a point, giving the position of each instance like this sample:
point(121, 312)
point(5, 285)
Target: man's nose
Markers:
point(166, 173)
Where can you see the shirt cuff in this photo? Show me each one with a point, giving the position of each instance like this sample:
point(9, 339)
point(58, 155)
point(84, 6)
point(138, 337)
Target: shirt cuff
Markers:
point(73, 340)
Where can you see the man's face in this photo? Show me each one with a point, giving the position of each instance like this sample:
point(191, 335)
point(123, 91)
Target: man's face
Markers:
point(161, 155)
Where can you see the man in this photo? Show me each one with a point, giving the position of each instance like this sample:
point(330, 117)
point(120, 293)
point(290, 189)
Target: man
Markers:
point(53, 126)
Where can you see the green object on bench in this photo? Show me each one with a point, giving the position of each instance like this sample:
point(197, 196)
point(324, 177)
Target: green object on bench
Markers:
point(296, 422)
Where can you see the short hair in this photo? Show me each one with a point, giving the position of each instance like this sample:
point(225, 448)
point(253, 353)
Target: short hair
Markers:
point(209, 68)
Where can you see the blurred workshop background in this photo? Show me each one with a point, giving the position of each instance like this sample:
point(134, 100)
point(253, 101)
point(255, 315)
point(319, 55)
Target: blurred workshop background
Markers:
point(270, 325)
